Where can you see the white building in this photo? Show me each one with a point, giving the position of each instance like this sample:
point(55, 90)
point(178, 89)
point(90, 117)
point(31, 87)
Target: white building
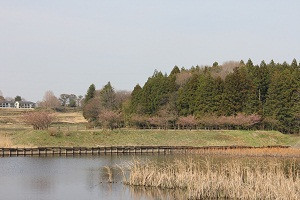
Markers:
point(17, 104)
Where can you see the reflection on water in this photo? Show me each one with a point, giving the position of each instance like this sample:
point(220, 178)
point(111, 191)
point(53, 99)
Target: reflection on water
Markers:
point(138, 192)
point(64, 177)
point(75, 178)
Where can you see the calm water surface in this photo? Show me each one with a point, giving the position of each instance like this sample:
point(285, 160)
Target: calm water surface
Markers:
point(82, 177)
point(67, 178)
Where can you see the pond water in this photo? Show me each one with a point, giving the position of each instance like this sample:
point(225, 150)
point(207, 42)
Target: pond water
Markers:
point(79, 177)
point(67, 177)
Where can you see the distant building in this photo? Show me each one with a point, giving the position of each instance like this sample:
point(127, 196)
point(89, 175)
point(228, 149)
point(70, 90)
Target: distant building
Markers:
point(17, 104)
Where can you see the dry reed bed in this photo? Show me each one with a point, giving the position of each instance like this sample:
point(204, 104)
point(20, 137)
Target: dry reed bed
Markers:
point(5, 141)
point(230, 179)
point(269, 152)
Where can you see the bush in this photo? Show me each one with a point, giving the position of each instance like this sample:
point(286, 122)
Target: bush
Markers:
point(187, 122)
point(110, 119)
point(39, 120)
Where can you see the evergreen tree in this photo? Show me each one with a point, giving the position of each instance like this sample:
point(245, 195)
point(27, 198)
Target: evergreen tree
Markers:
point(90, 93)
point(108, 97)
point(175, 71)
point(186, 102)
point(215, 64)
point(283, 99)
point(18, 98)
point(135, 103)
point(294, 63)
point(239, 93)
point(264, 82)
point(208, 95)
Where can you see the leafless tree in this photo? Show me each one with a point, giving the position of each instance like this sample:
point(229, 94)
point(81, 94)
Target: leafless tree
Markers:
point(92, 109)
point(50, 100)
point(225, 69)
point(110, 119)
point(139, 121)
point(121, 97)
point(187, 122)
point(1, 96)
point(183, 77)
point(39, 120)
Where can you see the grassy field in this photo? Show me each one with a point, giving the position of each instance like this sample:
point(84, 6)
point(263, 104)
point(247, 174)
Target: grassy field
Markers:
point(69, 130)
point(31, 138)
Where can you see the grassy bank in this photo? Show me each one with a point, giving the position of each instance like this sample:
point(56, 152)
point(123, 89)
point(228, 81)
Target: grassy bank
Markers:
point(69, 130)
point(26, 137)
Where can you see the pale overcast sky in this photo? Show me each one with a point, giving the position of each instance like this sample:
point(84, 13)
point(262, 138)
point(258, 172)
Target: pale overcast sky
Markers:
point(65, 45)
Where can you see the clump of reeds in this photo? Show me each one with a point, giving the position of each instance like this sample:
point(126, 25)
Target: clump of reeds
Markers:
point(5, 141)
point(233, 179)
point(109, 174)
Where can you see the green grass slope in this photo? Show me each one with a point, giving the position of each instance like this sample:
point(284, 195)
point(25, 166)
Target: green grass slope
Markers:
point(150, 137)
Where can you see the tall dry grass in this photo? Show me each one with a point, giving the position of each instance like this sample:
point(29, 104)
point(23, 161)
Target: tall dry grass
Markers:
point(231, 179)
point(5, 141)
point(269, 152)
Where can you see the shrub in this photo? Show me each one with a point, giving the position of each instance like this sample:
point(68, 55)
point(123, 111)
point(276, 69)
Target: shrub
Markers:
point(187, 122)
point(110, 119)
point(39, 120)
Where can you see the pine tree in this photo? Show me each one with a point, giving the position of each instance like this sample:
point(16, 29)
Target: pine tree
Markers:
point(208, 95)
point(135, 102)
point(175, 71)
point(186, 102)
point(282, 99)
point(294, 64)
point(239, 93)
point(108, 97)
point(90, 93)
point(155, 93)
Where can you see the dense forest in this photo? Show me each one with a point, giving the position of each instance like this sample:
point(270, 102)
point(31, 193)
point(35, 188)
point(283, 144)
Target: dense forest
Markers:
point(234, 95)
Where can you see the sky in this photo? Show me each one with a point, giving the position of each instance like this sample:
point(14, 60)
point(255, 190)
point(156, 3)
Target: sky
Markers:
point(65, 46)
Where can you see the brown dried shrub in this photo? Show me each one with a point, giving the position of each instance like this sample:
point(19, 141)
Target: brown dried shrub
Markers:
point(110, 119)
point(187, 122)
point(39, 120)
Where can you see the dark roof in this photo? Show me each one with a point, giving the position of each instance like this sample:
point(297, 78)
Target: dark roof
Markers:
point(4, 101)
point(20, 102)
point(26, 102)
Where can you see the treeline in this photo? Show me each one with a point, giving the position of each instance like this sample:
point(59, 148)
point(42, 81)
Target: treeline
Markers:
point(234, 95)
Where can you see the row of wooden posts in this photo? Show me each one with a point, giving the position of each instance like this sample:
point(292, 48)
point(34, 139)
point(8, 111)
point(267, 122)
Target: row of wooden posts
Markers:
point(39, 151)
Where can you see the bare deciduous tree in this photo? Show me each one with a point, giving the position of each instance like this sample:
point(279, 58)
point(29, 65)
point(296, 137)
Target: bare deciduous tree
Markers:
point(139, 121)
point(110, 119)
point(50, 100)
point(187, 122)
point(183, 77)
point(39, 120)
point(225, 69)
point(1, 96)
point(121, 97)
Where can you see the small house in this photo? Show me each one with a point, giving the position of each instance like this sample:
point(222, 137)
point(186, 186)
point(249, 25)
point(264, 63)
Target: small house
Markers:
point(17, 104)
